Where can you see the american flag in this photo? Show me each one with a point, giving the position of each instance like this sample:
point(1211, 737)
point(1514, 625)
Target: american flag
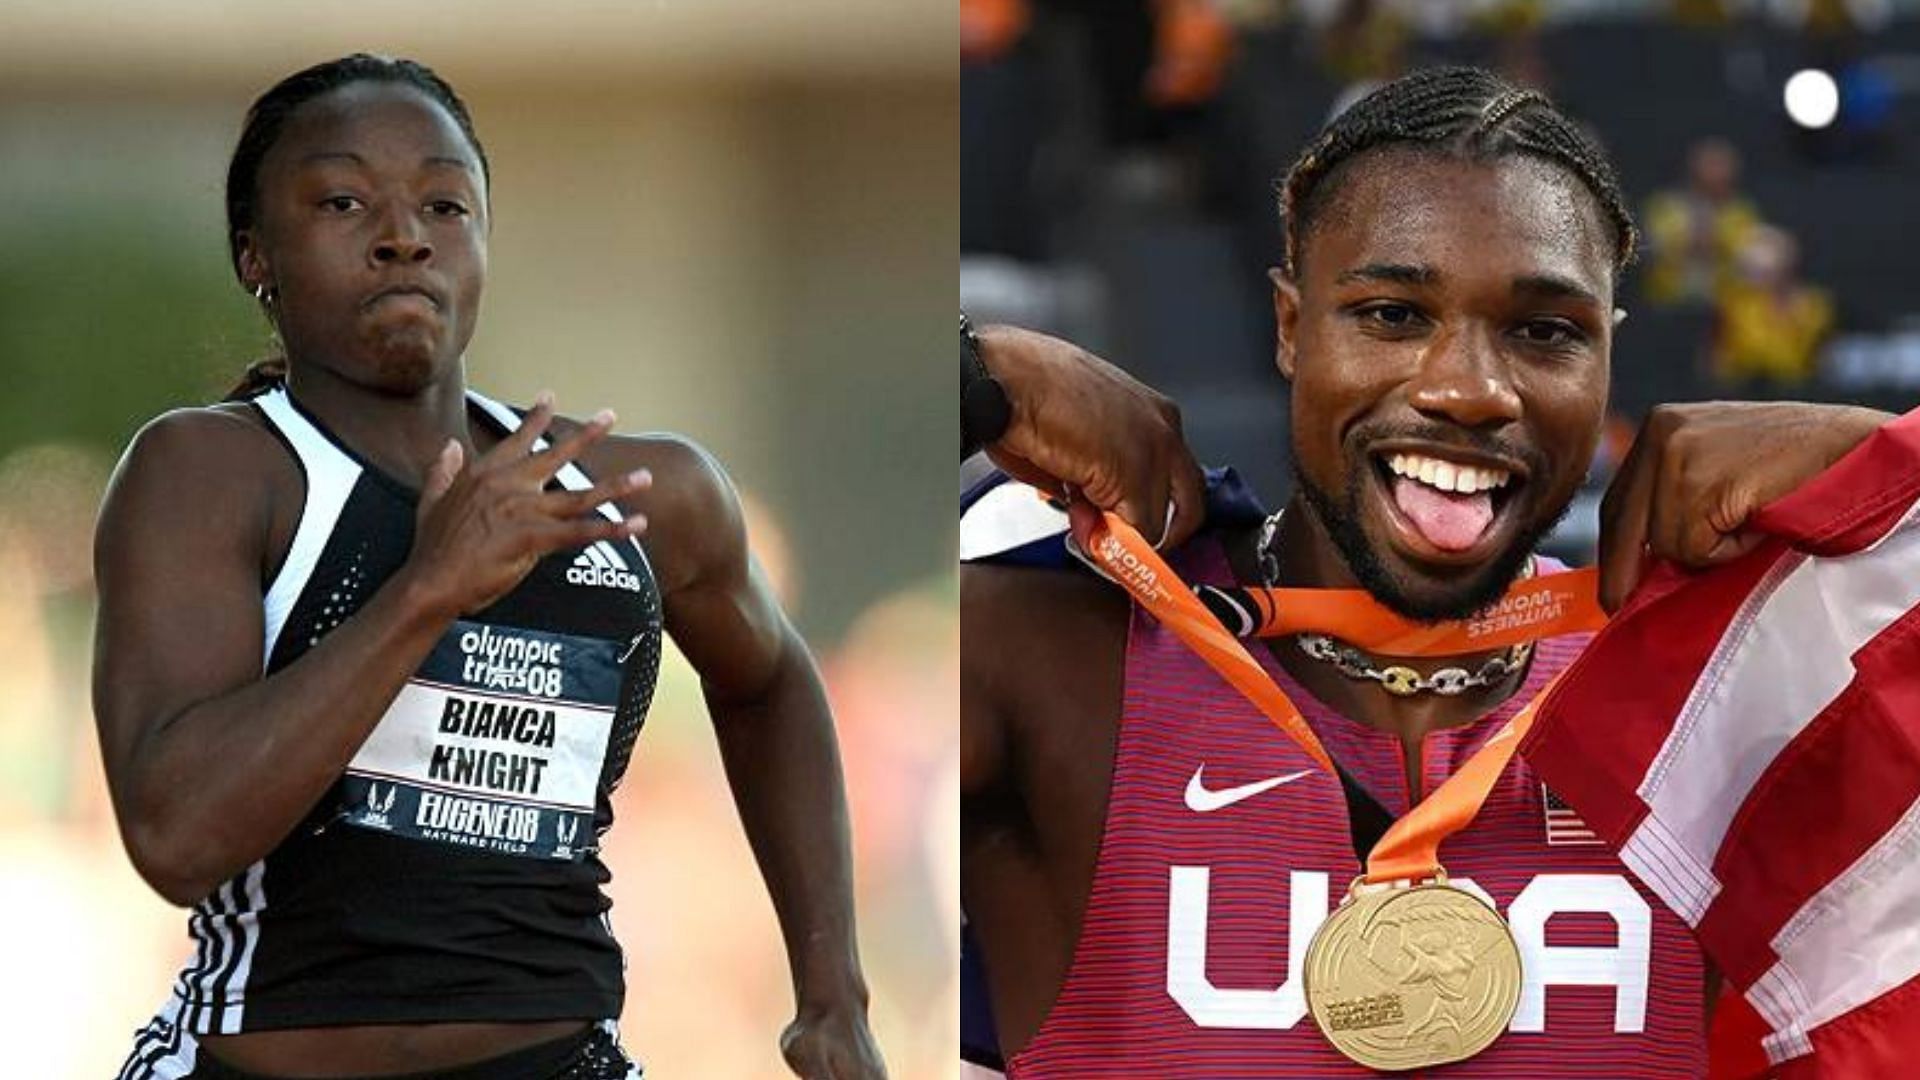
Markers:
point(1748, 740)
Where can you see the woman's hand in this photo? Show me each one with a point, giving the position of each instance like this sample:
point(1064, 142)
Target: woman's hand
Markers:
point(832, 1046)
point(481, 527)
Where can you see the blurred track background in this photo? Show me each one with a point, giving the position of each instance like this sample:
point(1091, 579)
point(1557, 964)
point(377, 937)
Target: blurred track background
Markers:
point(728, 219)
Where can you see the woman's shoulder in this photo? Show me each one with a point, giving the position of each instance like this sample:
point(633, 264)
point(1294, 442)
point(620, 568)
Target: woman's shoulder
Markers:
point(198, 448)
point(691, 495)
point(685, 474)
point(199, 478)
point(693, 513)
point(200, 431)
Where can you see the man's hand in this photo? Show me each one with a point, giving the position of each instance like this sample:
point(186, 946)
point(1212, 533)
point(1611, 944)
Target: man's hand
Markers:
point(1696, 473)
point(832, 1046)
point(1080, 423)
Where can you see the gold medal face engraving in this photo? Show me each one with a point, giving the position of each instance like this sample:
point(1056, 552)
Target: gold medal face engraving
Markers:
point(1407, 978)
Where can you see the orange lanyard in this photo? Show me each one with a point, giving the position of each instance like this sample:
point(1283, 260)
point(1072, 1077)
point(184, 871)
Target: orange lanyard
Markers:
point(1411, 848)
point(1566, 602)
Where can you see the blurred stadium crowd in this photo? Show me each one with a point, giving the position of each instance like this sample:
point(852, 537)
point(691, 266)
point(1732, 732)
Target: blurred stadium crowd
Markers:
point(1119, 162)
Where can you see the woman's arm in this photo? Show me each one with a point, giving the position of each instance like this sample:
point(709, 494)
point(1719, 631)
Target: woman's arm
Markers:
point(777, 740)
point(210, 765)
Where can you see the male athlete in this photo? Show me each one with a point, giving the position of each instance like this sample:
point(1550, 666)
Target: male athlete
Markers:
point(1145, 856)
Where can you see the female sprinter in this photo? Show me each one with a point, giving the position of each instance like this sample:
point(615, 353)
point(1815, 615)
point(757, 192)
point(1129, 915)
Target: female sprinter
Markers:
point(373, 651)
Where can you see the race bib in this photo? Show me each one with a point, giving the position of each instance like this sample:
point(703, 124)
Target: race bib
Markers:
point(496, 743)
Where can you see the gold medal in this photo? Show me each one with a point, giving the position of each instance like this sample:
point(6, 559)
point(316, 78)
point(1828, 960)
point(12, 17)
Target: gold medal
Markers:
point(1410, 977)
point(1400, 976)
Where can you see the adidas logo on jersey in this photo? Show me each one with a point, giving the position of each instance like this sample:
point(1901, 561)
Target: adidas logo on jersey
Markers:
point(597, 566)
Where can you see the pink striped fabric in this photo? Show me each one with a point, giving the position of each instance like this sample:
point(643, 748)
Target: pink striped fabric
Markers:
point(1749, 741)
point(1188, 964)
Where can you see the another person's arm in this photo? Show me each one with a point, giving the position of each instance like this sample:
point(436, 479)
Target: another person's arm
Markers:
point(1077, 422)
point(777, 740)
point(209, 764)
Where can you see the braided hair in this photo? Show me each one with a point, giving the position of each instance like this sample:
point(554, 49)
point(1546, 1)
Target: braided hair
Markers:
point(267, 119)
point(1463, 111)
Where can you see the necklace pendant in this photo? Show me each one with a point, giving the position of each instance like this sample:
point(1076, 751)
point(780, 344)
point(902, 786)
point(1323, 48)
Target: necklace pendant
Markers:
point(1400, 681)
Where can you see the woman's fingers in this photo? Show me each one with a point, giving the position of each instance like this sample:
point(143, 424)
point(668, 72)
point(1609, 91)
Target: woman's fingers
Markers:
point(569, 504)
point(579, 532)
point(441, 474)
point(540, 467)
point(519, 443)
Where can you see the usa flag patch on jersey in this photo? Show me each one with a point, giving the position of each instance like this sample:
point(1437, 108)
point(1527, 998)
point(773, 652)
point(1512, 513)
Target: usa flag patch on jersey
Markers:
point(1564, 827)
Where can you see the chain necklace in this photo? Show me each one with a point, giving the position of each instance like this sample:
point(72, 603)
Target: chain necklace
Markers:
point(1396, 679)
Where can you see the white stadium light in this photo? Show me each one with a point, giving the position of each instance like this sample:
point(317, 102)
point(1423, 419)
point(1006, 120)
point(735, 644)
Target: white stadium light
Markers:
point(1813, 98)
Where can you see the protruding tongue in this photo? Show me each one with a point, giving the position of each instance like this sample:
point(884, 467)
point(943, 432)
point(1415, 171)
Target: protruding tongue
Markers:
point(1449, 521)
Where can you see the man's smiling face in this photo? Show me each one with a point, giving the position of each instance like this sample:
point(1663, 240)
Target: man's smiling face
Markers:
point(1447, 336)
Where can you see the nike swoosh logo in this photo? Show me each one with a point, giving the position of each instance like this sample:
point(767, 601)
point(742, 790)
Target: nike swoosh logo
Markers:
point(1202, 801)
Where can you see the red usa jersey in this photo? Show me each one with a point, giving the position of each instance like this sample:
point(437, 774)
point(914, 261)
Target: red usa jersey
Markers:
point(1226, 847)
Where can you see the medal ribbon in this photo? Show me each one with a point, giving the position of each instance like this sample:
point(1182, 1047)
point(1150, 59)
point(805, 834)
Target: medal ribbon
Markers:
point(1410, 849)
point(1563, 603)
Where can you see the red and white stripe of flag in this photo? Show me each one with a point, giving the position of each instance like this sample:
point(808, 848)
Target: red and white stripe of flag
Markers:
point(1749, 741)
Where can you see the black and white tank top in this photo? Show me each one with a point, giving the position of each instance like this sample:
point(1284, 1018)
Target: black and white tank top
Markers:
point(452, 872)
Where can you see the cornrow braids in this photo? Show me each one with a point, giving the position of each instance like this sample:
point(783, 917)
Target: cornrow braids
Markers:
point(1466, 111)
point(267, 119)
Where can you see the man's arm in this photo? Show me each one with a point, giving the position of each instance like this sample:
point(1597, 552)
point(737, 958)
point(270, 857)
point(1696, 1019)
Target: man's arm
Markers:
point(777, 741)
point(983, 729)
point(1697, 472)
point(1078, 422)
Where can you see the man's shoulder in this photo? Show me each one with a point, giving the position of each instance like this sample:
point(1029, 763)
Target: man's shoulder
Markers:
point(1027, 605)
point(1015, 595)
